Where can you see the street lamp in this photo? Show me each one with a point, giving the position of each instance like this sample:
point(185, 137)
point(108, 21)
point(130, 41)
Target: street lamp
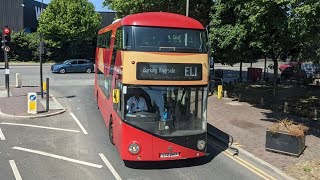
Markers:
point(187, 8)
point(41, 47)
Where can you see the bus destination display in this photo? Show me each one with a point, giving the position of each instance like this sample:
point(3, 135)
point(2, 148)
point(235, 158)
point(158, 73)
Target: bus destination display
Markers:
point(169, 71)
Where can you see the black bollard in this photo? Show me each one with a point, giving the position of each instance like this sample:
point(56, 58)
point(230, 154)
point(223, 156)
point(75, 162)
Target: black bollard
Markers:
point(47, 97)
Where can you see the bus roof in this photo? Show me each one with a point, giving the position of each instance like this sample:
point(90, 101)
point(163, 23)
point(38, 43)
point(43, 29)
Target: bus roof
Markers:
point(161, 19)
point(157, 19)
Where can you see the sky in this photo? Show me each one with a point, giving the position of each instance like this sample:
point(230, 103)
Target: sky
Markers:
point(96, 3)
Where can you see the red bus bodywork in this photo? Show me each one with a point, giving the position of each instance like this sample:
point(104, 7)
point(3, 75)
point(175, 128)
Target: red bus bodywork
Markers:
point(123, 133)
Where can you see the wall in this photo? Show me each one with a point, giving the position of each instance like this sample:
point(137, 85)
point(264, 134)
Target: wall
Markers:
point(11, 14)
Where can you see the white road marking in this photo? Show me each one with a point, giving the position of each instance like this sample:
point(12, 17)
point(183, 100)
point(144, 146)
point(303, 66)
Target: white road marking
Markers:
point(58, 157)
point(15, 170)
point(2, 135)
point(79, 124)
point(113, 171)
point(42, 127)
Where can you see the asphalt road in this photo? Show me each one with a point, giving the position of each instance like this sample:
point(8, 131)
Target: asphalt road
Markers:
point(66, 149)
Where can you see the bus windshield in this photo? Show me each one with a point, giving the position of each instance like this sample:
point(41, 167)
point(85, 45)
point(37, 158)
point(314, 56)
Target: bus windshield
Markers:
point(157, 39)
point(166, 111)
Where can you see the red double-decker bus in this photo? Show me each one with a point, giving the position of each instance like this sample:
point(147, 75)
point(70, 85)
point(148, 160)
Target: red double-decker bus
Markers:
point(151, 86)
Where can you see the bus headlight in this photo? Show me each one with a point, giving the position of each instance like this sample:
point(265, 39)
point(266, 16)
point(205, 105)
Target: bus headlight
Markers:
point(201, 144)
point(134, 148)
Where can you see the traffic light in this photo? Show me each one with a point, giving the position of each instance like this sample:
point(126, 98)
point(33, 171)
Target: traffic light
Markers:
point(6, 36)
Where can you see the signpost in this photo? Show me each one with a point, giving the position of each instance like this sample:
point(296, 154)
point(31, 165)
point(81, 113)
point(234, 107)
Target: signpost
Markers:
point(7, 49)
point(32, 103)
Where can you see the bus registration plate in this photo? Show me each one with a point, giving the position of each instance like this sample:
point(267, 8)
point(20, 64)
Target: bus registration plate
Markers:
point(165, 155)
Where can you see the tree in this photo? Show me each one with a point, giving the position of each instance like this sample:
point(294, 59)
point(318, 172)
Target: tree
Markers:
point(69, 28)
point(269, 21)
point(304, 21)
point(24, 46)
point(199, 9)
point(277, 28)
point(230, 36)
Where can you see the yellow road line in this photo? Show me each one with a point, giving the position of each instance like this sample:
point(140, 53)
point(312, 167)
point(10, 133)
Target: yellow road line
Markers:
point(245, 163)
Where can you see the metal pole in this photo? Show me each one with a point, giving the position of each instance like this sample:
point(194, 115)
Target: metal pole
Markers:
point(47, 96)
point(265, 67)
point(187, 8)
point(7, 71)
point(40, 56)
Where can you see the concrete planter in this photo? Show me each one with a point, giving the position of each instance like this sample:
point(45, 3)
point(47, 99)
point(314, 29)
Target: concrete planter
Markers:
point(284, 143)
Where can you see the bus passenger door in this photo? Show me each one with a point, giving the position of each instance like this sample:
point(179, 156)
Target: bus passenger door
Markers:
point(118, 109)
point(118, 113)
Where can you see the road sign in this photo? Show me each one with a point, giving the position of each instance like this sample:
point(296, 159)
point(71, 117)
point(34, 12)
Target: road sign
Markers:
point(7, 48)
point(32, 103)
point(33, 98)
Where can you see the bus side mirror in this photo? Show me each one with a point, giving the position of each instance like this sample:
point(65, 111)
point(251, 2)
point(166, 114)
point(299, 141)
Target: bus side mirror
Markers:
point(116, 96)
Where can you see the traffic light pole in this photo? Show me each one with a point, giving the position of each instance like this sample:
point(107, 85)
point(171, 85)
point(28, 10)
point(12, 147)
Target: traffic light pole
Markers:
point(7, 72)
point(6, 38)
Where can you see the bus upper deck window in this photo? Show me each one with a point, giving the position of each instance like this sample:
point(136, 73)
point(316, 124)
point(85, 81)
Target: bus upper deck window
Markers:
point(127, 37)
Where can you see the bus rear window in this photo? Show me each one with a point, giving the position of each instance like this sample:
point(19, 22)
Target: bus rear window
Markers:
point(165, 40)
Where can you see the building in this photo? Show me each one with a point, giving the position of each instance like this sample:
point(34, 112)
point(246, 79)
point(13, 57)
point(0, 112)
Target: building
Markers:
point(107, 18)
point(23, 15)
point(20, 14)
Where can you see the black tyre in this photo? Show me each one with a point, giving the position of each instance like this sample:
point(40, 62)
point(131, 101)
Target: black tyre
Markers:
point(111, 131)
point(89, 70)
point(62, 71)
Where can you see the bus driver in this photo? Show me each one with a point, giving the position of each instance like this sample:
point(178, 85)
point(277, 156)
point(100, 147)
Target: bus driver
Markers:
point(136, 103)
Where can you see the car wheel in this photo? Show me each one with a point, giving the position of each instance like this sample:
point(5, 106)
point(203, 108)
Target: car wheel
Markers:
point(89, 70)
point(62, 71)
point(111, 131)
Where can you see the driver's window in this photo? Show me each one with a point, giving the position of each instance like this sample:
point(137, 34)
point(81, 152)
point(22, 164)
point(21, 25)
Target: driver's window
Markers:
point(73, 62)
point(137, 100)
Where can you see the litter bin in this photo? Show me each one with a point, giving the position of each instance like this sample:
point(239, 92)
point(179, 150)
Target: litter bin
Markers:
point(254, 74)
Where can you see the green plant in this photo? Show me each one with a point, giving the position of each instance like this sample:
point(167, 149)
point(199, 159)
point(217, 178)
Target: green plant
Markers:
point(307, 169)
point(288, 126)
point(69, 29)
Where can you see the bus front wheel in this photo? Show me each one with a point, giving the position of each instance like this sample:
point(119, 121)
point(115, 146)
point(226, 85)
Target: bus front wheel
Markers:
point(111, 131)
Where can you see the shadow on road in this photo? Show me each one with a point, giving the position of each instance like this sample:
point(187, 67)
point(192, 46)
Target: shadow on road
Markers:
point(68, 97)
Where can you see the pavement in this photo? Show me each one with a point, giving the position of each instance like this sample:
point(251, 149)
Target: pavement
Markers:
point(17, 104)
point(246, 126)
